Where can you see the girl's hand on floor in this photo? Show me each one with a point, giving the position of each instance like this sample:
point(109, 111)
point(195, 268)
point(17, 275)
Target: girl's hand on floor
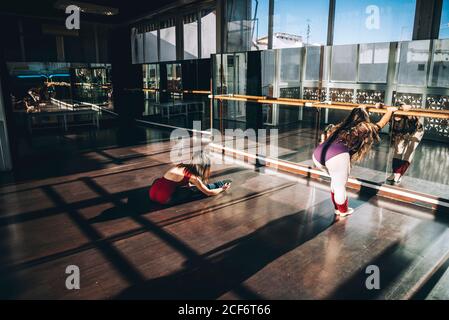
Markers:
point(226, 186)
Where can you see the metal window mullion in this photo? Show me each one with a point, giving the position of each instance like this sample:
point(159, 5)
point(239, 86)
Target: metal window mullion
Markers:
point(302, 78)
point(270, 24)
point(158, 58)
point(330, 23)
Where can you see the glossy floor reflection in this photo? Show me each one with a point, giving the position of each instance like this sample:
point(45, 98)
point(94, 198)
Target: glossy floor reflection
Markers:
point(271, 236)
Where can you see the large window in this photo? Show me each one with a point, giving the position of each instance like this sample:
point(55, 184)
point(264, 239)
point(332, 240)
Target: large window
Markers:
point(444, 26)
point(365, 21)
point(168, 41)
point(208, 33)
point(191, 37)
point(300, 22)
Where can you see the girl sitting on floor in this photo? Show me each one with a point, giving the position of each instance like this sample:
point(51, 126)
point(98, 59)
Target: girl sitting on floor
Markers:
point(186, 182)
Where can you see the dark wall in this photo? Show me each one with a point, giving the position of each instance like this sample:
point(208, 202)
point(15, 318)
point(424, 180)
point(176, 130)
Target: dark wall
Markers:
point(125, 75)
point(6, 89)
point(254, 115)
point(35, 40)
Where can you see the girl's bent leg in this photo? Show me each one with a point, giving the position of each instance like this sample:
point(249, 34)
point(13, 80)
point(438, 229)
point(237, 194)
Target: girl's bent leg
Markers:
point(323, 168)
point(339, 167)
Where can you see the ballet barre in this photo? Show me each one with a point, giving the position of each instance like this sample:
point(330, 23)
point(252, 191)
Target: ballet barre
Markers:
point(205, 92)
point(416, 112)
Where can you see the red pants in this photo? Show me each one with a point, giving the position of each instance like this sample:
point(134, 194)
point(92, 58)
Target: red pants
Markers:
point(400, 166)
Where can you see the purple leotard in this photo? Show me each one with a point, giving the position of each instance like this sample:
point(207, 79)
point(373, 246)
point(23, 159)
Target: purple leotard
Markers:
point(326, 151)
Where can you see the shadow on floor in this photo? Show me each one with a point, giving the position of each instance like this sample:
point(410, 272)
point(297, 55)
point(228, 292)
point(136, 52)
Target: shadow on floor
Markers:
point(224, 269)
point(138, 203)
point(392, 263)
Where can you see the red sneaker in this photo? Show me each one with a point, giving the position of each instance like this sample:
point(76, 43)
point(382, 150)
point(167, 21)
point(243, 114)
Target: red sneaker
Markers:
point(343, 210)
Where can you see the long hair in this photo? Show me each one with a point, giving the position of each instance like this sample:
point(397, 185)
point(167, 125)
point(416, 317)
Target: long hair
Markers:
point(199, 165)
point(357, 132)
point(406, 125)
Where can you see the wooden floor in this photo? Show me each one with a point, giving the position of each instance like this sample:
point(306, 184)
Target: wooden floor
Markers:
point(272, 236)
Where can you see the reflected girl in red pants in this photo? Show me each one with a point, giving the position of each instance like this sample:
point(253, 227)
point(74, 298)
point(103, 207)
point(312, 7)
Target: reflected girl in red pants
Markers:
point(407, 133)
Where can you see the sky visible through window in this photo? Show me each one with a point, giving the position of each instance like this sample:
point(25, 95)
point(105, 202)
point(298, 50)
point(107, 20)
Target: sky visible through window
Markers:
point(365, 21)
point(356, 21)
point(444, 27)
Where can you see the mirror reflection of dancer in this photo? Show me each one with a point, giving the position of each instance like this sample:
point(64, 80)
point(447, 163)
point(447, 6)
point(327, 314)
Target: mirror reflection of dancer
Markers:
point(407, 132)
point(346, 142)
point(174, 187)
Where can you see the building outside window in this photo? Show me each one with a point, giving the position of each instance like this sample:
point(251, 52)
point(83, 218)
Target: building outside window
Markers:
point(300, 22)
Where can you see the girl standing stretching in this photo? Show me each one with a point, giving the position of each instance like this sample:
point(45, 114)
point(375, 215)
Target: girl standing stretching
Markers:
point(344, 143)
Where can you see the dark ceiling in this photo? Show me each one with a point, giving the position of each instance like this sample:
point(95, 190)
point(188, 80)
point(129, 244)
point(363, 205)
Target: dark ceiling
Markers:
point(128, 9)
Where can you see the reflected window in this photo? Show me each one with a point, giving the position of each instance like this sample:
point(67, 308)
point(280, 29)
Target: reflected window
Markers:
point(238, 26)
point(190, 37)
point(151, 46)
point(444, 26)
point(208, 33)
point(151, 76)
point(439, 76)
point(344, 63)
point(168, 41)
point(373, 21)
point(413, 59)
point(373, 62)
point(300, 22)
point(136, 46)
point(174, 77)
point(247, 25)
point(268, 58)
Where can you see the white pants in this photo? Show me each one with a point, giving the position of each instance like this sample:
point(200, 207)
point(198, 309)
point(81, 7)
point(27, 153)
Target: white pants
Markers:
point(338, 168)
